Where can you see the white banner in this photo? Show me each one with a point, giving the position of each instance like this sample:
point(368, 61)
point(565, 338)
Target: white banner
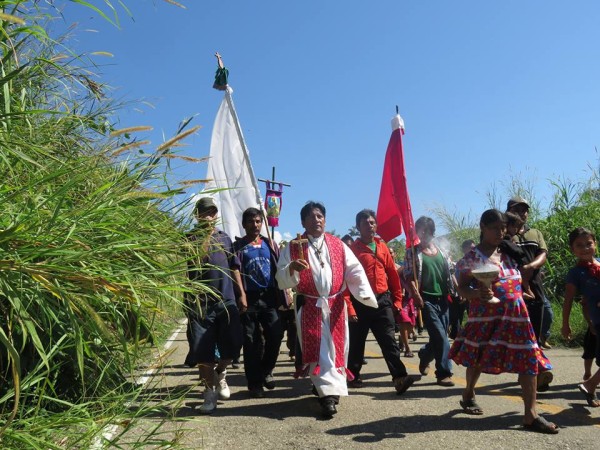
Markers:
point(230, 170)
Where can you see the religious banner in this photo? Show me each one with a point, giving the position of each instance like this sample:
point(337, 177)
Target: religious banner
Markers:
point(273, 202)
point(232, 182)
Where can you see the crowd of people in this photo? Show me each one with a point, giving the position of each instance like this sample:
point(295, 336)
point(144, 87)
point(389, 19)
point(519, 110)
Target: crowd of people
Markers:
point(328, 294)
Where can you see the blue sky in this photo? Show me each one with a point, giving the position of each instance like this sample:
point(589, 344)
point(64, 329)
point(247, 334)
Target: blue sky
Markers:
point(487, 90)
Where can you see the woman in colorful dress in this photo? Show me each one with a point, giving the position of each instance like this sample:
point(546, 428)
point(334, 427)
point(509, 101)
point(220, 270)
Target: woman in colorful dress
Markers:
point(498, 337)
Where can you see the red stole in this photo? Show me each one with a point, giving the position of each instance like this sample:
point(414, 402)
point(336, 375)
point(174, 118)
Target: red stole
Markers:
point(311, 314)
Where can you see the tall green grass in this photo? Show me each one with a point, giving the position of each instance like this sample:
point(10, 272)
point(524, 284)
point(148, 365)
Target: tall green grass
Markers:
point(90, 258)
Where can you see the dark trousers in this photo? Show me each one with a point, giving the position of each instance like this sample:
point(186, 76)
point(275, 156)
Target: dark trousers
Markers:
point(381, 323)
point(457, 313)
point(541, 317)
point(436, 317)
point(262, 337)
point(288, 323)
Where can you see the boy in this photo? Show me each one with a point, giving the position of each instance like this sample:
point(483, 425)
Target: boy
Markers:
point(585, 278)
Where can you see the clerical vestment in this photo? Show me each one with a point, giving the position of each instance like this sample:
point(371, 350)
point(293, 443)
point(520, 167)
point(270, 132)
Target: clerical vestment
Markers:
point(323, 320)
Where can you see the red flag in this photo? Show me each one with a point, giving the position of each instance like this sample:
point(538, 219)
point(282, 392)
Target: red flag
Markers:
point(393, 211)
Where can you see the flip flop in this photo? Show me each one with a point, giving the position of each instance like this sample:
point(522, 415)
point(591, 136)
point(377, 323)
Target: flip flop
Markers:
point(471, 407)
point(589, 397)
point(541, 425)
point(409, 355)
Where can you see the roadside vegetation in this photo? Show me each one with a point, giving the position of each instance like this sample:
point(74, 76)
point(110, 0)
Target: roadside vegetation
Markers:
point(91, 272)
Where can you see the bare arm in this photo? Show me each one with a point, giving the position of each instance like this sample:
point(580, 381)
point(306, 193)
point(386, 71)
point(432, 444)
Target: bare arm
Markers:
point(413, 290)
point(538, 262)
point(238, 287)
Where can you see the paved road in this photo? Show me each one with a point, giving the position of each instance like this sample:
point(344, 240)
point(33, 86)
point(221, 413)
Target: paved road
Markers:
point(427, 416)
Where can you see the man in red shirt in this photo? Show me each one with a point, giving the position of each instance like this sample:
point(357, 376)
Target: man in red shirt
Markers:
point(379, 266)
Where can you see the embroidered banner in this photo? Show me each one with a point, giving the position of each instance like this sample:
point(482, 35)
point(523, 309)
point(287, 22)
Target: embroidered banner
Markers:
point(273, 203)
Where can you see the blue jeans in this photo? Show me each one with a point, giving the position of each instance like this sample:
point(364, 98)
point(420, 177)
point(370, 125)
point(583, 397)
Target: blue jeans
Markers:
point(436, 319)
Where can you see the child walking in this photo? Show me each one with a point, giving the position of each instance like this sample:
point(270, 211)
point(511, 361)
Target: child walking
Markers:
point(585, 279)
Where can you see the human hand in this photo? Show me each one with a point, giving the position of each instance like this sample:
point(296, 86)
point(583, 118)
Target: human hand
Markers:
point(485, 292)
point(526, 272)
point(418, 301)
point(242, 303)
point(353, 318)
point(298, 265)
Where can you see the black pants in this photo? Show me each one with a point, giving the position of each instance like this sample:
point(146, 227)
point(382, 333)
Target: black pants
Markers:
point(457, 314)
point(262, 336)
point(288, 323)
point(381, 323)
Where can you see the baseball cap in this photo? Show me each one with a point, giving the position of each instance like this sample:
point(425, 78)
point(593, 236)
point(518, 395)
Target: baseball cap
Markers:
point(204, 205)
point(516, 200)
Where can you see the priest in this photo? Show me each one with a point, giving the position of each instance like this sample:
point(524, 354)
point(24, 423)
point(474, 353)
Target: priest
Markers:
point(321, 267)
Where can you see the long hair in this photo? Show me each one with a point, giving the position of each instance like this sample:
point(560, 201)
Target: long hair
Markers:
point(489, 217)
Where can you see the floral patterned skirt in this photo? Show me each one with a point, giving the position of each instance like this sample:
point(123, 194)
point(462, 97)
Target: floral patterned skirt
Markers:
point(499, 338)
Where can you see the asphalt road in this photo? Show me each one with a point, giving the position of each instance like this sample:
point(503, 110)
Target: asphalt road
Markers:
point(425, 417)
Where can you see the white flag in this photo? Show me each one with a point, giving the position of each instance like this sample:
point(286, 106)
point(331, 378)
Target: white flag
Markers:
point(229, 169)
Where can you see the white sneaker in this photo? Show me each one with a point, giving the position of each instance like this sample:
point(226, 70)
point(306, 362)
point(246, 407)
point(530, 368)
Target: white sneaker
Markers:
point(210, 402)
point(222, 387)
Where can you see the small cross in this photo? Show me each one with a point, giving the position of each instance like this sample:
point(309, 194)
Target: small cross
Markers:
point(299, 241)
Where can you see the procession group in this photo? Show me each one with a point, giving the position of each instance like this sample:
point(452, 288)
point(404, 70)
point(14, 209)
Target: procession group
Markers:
point(335, 293)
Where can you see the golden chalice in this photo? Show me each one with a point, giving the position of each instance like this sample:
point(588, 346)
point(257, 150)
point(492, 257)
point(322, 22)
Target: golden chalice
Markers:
point(486, 275)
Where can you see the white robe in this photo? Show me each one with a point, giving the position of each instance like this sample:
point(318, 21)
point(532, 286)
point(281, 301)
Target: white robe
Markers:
point(329, 381)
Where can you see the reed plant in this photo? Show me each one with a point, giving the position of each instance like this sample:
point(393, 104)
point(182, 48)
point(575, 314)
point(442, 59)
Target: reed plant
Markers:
point(90, 239)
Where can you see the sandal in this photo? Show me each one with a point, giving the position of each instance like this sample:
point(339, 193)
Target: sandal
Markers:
point(541, 425)
point(589, 397)
point(471, 407)
point(409, 354)
point(543, 381)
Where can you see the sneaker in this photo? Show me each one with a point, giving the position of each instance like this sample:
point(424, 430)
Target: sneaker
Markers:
point(222, 387)
point(269, 383)
point(543, 381)
point(210, 402)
